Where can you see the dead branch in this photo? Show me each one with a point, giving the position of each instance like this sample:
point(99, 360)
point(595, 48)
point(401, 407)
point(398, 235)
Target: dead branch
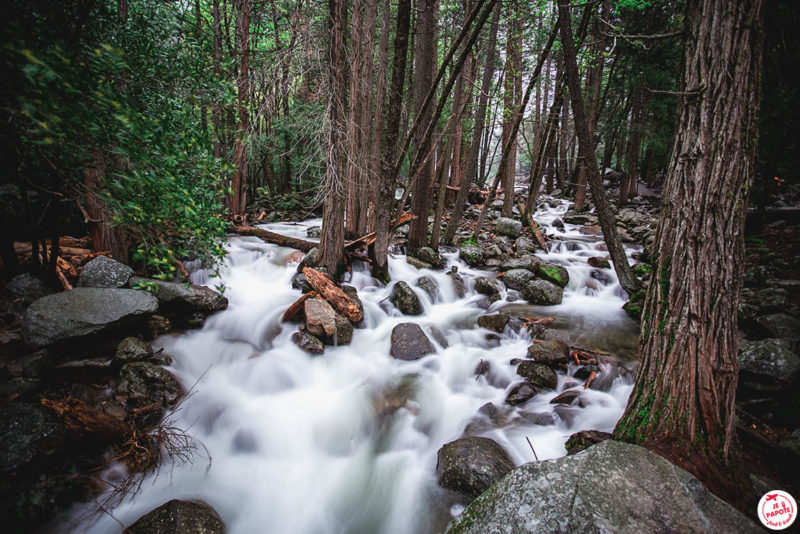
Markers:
point(293, 310)
point(335, 296)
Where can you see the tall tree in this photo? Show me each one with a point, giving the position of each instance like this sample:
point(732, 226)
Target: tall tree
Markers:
point(512, 89)
point(238, 198)
point(682, 404)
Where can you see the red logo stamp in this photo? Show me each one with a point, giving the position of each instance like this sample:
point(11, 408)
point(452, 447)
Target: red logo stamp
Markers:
point(777, 510)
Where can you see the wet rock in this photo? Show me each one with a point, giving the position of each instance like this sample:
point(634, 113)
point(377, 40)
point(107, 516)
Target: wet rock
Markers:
point(482, 368)
point(558, 223)
point(314, 232)
point(567, 397)
point(352, 292)
point(104, 272)
point(308, 343)
point(28, 432)
point(526, 262)
point(320, 318)
point(145, 383)
point(470, 465)
point(555, 274)
point(601, 275)
point(599, 262)
point(517, 278)
point(179, 298)
point(486, 302)
point(584, 439)
point(431, 257)
point(132, 349)
point(409, 342)
point(524, 244)
point(418, 263)
point(405, 300)
point(579, 218)
point(27, 288)
point(552, 352)
point(493, 251)
point(158, 325)
point(782, 326)
point(772, 299)
point(508, 227)
point(429, 286)
point(343, 334)
point(179, 517)
point(84, 311)
point(767, 366)
point(632, 490)
point(538, 374)
point(590, 230)
point(20, 386)
point(299, 282)
point(494, 321)
point(309, 260)
point(439, 336)
point(521, 393)
point(458, 284)
point(486, 286)
point(33, 365)
point(542, 419)
point(542, 292)
point(471, 255)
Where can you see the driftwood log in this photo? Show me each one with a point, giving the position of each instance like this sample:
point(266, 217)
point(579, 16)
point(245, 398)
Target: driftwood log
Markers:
point(297, 306)
point(335, 296)
point(276, 239)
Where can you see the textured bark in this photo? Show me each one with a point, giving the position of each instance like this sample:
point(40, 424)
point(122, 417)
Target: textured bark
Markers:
point(511, 98)
point(586, 154)
point(238, 200)
point(335, 296)
point(683, 401)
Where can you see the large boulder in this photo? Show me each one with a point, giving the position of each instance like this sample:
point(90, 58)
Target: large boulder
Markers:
point(175, 297)
point(610, 487)
point(404, 298)
point(28, 432)
point(471, 255)
point(494, 321)
point(429, 286)
point(510, 227)
point(471, 465)
point(556, 274)
point(179, 517)
point(84, 311)
point(486, 286)
point(552, 352)
point(104, 272)
point(517, 278)
point(430, 256)
point(782, 326)
point(542, 292)
point(538, 374)
point(767, 366)
point(409, 342)
point(527, 262)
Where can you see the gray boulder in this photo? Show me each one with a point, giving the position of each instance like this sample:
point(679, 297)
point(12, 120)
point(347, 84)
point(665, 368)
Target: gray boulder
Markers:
point(132, 349)
point(104, 272)
point(28, 432)
point(145, 383)
point(556, 274)
point(510, 227)
point(542, 292)
point(82, 312)
point(538, 374)
point(458, 284)
point(405, 300)
point(494, 321)
point(308, 343)
point(430, 256)
point(524, 244)
point(610, 487)
point(429, 286)
point(527, 262)
point(320, 318)
point(768, 365)
point(552, 352)
point(517, 278)
point(521, 393)
point(409, 342)
point(309, 260)
point(27, 287)
point(418, 263)
point(183, 298)
point(782, 326)
point(579, 218)
point(471, 465)
point(486, 286)
point(179, 517)
point(471, 255)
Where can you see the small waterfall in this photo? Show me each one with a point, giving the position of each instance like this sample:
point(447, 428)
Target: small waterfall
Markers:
point(346, 442)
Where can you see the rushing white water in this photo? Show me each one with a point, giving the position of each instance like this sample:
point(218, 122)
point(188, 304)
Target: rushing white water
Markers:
point(346, 442)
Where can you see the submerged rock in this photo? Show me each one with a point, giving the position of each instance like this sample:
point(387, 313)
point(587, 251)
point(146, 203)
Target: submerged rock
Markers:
point(104, 272)
point(429, 286)
point(471, 465)
point(409, 342)
point(542, 292)
point(82, 312)
point(521, 393)
point(458, 284)
point(308, 343)
point(179, 517)
point(404, 298)
point(610, 487)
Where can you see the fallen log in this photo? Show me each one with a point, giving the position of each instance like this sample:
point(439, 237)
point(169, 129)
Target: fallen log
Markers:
point(63, 279)
point(293, 310)
point(79, 416)
point(335, 296)
point(276, 239)
point(537, 232)
point(367, 240)
point(590, 380)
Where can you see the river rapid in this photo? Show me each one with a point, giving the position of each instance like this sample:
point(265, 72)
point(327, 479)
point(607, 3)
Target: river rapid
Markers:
point(347, 442)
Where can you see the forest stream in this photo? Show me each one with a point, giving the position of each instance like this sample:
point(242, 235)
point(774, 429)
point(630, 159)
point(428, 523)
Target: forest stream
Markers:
point(347, 441)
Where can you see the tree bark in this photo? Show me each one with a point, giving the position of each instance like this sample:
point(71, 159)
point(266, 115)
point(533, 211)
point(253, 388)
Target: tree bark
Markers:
point(682, 405)
point(238, 200)
point(511, 99)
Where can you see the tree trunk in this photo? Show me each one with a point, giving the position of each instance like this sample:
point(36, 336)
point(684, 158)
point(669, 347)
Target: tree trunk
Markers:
point(682, 405)
point(238, 200)
point(511, 99)
point(586, 154)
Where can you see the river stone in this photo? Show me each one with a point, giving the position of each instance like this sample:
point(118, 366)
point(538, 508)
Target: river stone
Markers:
point(521, 393)
point(158, 325)
point(309, 260)
point(404, 298)
point(132, 349)
point(184, 298)
point(352, 292)
point(104, 272)
point(782, 326)
point(538, 374)
point(768, 365)
point(527, 262)
point(343, 334)
point(542, 292)
point(308, 343)
point(299, 282)
point(486, 286)
point(471, 255)
point(144, 383)
point(552, 352)
point(409, 342)
point(179, 517)
point(539, 418)
point(553, 273)
point(27, 287)
point(579, 218)
point(429, 286)
point(494, 321)
point(27, 432)
point(598, 262)
point(471, 465)
point(558, 223)
point(509, 227)
point(82, 312)
point(429, 256)
point(582, 440)
point(610, 487)
point(458, 284)
point(524, 244)
point(517, 278)
point(314, 232)
point(772, 299)
point(320, 318)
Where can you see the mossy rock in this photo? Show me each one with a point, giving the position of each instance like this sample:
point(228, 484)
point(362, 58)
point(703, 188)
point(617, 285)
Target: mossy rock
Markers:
point(553, 273)
point(635, 305)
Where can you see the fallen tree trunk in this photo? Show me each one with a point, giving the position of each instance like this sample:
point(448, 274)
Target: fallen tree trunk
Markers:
point(367, 240)
point(79, 416)
point(276, 239)
point(335, 296)
point(537, 233)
